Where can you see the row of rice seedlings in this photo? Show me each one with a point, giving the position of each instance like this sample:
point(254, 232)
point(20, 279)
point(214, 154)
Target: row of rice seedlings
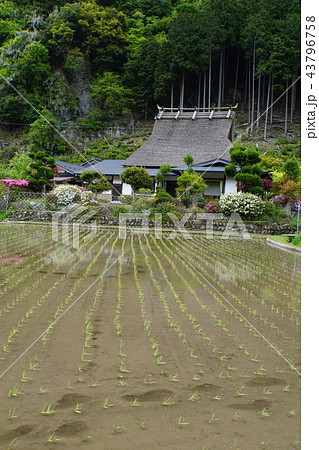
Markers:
point(88, 332)
point(18, 243)
point(25, 378)
point(24, 274)
point(60, 309)
point(146, 320)
point(256, 262)
point(172, 322)
point(212, 315)
point(117, 323)
point(41, 301)
point(6, 309)
point(238, 300)
point(196, 326)
point(280, 313)
point(246, 259)
point(241, 273)
point(231, 311)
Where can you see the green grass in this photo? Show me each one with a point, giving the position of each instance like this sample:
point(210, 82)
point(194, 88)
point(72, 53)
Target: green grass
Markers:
point(296, 242)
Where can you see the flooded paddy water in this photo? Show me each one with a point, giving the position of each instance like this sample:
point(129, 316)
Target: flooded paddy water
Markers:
point(147, 343)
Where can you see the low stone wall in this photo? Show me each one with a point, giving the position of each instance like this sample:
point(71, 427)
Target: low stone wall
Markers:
point(195, 225)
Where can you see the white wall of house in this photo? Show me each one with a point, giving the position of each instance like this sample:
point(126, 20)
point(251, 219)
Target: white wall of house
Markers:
point(230, 185)
point(126, 189)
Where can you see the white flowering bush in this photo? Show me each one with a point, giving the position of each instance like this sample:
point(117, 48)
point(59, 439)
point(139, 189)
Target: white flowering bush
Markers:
point(66, 194)
point(245, 204)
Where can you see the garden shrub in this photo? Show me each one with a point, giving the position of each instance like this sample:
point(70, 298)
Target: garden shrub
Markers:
point(212, 207)
point(280, 215)
point(66, 194)
point(283, 200)
point(88, 198)
point(162, 196)
point(297, 240)
point(201, 202)
point(256, 190)
point(246, 204)
point(270, 208)
point(145, 191)
point(142, 204)
point(164, 208)
point(126, 199)
point(120, 209)
point(230, 170)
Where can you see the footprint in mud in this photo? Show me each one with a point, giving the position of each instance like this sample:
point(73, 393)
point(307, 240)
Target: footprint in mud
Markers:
point(206, 387)
point(254, 405)
point(16, 432)
point(69, 400)
point(264, 381)
point(72, 428)
point(150, 396)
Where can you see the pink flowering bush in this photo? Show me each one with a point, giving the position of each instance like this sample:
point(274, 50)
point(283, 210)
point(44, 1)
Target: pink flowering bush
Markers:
point(212, 207)
point(12, 185)
point(282, 200)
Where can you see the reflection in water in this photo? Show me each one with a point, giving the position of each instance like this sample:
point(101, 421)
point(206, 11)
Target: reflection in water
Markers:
point(12, 258)
point(230, 272)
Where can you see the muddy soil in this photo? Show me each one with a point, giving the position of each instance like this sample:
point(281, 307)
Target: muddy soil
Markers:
point(143, 343)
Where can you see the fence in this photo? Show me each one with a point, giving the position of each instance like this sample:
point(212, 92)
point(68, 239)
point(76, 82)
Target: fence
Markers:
point(13, 198)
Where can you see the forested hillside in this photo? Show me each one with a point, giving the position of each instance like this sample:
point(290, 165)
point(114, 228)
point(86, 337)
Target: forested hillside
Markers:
point(101, 59)
point(87, 65)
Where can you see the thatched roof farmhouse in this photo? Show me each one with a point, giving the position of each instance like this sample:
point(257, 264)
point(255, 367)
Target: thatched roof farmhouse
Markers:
point(207, 134)
point(202, 135)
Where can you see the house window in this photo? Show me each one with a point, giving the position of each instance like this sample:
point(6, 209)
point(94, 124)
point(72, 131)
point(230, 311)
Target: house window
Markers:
point(213, 189)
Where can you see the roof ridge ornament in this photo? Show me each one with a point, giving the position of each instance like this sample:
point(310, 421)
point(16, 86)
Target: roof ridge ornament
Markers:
point(213, 112)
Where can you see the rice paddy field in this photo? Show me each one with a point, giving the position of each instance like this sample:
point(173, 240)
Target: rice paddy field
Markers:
point(144, 343)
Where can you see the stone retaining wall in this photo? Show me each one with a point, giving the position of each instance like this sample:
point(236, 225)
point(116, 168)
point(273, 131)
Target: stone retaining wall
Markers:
point(252, 227)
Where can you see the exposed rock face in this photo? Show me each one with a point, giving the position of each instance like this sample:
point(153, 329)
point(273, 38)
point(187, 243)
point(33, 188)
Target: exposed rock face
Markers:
point(70, 95)
point(80, 84)
point(63, 102)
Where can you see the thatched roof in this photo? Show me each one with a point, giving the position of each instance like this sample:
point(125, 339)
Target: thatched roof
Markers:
point(171, 140)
